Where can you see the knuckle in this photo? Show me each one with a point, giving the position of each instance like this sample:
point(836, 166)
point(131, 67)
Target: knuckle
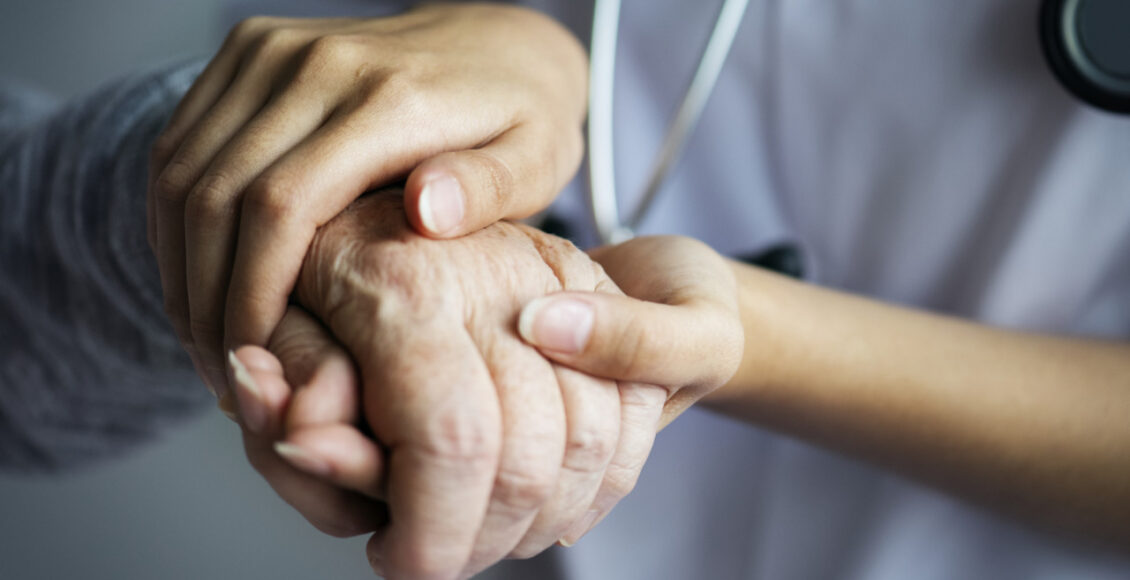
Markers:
point(495, 183)
point(331, 49)
point(460, 438)
point(163, 147)
point(589, 450)
point(631, 347)
point(209, 200)
point(402, 92)
point(172, 184)
point(323, 57)
point(274, 199)
point(643, 400)
point(620, 481)
point(274, 42)
point(250, 27)
point(205, 330)
point(523, 489)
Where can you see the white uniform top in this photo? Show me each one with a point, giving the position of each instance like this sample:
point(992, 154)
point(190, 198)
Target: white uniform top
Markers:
point(919, 152)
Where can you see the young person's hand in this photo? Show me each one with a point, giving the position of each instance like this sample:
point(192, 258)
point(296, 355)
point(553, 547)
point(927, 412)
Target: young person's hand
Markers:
point(479, 107)
point(678, 324)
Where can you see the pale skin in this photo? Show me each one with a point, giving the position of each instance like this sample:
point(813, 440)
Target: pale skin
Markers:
point(491, 450)
point(295, 118)
point(1026, 424)
point(1030, 425)
point(1033, 426)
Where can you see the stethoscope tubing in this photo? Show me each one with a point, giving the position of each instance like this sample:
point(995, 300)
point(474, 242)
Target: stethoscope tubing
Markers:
point(1061, 34)
point(604, 200)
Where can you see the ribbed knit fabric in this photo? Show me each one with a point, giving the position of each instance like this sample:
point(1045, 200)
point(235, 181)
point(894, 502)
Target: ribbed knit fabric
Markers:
point(21, 105)
point(89, 365)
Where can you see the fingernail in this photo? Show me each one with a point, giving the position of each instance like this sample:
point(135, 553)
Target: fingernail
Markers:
point(559, 324)
point(579, 529)
point(249, 396)
point(442, 205)
point(302, 459)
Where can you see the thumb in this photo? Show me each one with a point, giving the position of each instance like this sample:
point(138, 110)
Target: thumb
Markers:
point(514, 176)
point(689, 344)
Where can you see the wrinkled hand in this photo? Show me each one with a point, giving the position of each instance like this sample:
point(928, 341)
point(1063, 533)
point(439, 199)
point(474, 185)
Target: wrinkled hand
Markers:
point(487, 450)
point(294, 119)
point(304, 387)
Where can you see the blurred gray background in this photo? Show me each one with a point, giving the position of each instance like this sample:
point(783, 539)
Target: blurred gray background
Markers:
point(188, 506)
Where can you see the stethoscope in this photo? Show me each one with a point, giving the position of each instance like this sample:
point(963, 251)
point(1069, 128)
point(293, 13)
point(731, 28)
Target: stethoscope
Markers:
point(1086, 44)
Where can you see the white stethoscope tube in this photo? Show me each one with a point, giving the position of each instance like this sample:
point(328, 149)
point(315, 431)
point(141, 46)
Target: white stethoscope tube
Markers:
point(603, 198)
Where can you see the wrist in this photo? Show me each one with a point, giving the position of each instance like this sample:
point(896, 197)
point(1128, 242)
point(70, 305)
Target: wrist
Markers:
point(766, 365)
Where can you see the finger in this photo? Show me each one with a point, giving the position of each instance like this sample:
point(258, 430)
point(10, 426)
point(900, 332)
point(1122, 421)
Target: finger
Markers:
point(302, 353)
point(212, 82)
point(534, 444)
point(628, 339)
point(175, 305)
point(641, 409)
point(261, 390)
point(261, 382)
point(212, 211)
point(201, 97)
point(338, 453)
point(355, 151)
point(303, 361)
point(324, 378)
point(593, 412)
point(233, 110)
point(514, 176)
point(437, 414)
point(330, 509)
point(311, 184)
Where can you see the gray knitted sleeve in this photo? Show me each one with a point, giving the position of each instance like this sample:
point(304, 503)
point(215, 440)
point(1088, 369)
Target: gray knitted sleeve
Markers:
point(88, 363)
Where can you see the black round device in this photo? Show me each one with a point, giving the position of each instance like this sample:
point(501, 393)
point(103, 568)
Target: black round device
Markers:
point(1087, 44)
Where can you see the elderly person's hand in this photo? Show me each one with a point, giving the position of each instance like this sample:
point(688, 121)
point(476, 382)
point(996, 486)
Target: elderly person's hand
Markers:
point(479, 106)
point(684, 330)
point(324, 414)
point(486, 449)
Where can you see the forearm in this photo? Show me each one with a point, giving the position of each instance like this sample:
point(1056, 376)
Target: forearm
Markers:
point(1034, 426)
point(88, 364)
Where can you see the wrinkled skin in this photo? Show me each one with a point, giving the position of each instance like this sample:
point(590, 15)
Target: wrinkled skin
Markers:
point(295, 118)
point(487, 449)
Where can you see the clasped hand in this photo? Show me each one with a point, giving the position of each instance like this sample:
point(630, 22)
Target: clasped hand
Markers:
point(482, 447)
point(296, 118)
